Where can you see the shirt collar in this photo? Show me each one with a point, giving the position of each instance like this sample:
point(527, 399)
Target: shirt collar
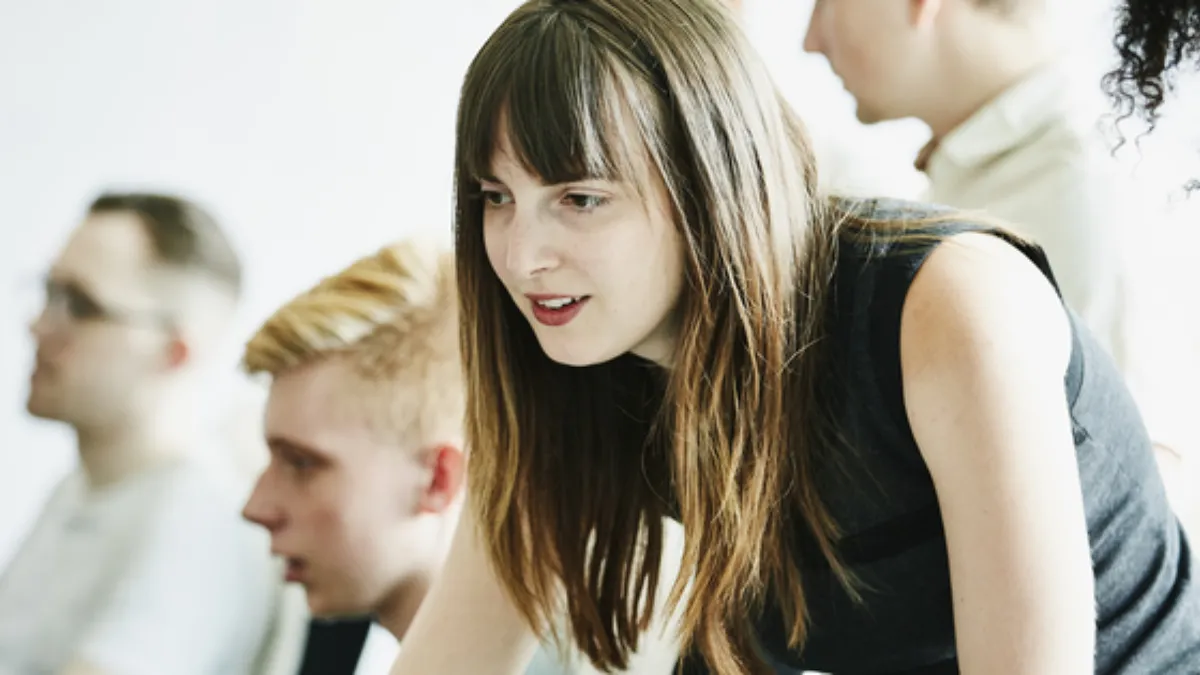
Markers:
point(1006, 122)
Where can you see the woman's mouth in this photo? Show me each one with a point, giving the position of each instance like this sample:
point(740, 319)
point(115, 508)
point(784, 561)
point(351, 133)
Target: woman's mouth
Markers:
point(557, 310)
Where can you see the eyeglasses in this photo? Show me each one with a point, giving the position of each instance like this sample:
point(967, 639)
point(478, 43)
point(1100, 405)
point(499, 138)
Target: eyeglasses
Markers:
point(68, 301)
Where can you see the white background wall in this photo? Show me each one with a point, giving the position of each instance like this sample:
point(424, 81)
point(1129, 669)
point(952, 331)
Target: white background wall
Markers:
point(317, 130)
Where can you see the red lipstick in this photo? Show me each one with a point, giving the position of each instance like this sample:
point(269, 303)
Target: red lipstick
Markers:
point(556, 310)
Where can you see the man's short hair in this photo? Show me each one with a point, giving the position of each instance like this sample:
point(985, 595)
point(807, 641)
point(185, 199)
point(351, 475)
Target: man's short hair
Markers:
point(184, 235)
point(392, 318)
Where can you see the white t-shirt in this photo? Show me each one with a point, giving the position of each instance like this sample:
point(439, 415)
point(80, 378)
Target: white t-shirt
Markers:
point(155, 575)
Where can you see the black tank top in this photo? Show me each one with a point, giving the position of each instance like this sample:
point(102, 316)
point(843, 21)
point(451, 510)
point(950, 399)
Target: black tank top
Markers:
point(884, 499)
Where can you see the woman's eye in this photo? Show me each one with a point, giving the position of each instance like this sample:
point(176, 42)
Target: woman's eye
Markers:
point(585, 202)
point(495, 198)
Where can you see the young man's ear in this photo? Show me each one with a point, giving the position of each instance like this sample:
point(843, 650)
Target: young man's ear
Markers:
point(178, 352)
point(447, 470)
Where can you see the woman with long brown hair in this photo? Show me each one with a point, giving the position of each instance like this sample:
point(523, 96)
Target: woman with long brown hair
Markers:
point(891, 448)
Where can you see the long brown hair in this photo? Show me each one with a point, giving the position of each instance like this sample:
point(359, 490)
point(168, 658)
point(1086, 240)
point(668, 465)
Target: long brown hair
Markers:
point(573, 469)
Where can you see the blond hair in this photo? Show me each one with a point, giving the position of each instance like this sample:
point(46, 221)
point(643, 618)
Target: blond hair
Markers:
point(392, 319)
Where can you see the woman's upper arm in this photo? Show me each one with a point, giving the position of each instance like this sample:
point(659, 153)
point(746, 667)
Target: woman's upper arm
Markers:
point(985, 345)
point(467, 624)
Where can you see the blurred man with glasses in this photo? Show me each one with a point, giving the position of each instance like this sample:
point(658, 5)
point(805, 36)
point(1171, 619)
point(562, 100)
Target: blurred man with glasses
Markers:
point(138, 564)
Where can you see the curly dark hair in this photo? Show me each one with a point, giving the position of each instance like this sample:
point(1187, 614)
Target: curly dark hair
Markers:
point(1154, 38)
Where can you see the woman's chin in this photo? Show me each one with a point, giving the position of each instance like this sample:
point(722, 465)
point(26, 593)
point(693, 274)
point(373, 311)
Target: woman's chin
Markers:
point(575, 355)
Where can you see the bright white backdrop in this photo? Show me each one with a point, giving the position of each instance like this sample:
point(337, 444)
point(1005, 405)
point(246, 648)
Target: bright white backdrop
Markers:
point(316, 130)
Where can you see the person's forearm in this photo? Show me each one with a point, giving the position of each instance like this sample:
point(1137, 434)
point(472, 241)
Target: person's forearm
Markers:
point(466, 624)
point(436, 646)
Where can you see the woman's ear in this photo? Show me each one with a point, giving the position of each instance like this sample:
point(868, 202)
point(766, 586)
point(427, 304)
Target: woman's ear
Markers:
point(447, 470)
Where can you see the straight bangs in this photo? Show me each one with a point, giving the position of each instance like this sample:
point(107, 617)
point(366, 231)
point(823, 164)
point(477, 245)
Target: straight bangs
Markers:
point(550, 88)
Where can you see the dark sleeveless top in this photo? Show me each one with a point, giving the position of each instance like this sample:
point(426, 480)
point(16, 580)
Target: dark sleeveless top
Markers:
point(1148, 603)
point(334, 647)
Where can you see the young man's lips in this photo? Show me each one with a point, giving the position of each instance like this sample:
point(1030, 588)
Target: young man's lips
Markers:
point(294, 571)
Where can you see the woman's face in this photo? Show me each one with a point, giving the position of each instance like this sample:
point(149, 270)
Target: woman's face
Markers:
point(595, 267)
